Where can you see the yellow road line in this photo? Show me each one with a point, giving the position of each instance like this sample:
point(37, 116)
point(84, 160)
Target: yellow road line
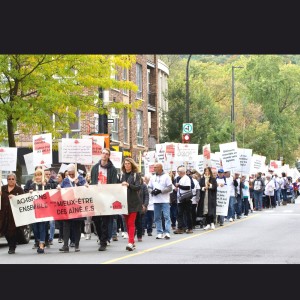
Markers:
point(193, 235)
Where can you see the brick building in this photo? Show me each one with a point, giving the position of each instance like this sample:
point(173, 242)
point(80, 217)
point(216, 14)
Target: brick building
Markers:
point(133, 135)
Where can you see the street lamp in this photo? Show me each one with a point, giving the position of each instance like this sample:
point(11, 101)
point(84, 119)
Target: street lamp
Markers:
point(232, 103)
point(187, 99)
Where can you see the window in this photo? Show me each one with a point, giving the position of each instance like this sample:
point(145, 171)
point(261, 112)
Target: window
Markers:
point(139, 81)
point(139, 124)
point(125, 125)
point(124, 78)
point(115, 125)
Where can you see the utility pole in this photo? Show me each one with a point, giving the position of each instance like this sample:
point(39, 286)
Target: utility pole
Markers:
point(232, 104)
point(187, 95)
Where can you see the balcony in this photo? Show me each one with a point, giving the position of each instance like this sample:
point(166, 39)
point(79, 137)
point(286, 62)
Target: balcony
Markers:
point(151, 101)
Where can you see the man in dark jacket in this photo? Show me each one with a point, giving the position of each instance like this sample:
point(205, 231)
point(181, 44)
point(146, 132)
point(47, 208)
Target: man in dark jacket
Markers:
point(103, 172)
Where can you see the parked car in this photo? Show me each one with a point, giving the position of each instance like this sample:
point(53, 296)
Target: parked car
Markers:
point(23, 235)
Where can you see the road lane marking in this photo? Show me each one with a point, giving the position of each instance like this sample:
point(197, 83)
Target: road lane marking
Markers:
point(193, 235)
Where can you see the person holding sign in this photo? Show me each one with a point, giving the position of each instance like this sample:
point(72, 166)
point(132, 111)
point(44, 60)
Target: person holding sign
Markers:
point(7, 222)
point(208, 198)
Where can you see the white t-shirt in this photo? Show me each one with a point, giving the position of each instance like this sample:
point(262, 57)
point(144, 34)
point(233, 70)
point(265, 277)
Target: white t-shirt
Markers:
point(102, 175)
point(186, 181)
point(160, 182)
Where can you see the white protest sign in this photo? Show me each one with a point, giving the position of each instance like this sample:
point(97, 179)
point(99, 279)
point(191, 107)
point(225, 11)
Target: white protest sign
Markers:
point(63, 168)
point(116, 158)
point(186, 152)
point(229, 157)
point(215, 161)
point(42, 149)
point(275, 164)
point(28, 158)
point(244, 157)
point(97, 146)
point(8, 158)
point(160, 152)
point(149, 167)
point(223, 195)
point(257, 163)
point(149, 156)
point(206, 156)
point(77, 151)
point(69, 203)
point(199, 165)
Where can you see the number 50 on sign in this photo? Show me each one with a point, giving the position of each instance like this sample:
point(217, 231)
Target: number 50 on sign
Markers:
point(187, 128)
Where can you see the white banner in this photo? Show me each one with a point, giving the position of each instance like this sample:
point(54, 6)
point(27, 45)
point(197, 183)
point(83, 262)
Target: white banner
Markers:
point(42, 149)
point(223, 195)
point(229, 156)
point(8, 158)
point(244, 157)
point(69, 203)
point(77, 151)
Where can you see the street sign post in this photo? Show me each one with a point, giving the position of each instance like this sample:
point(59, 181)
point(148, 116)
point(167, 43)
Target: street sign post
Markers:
point(187, 128)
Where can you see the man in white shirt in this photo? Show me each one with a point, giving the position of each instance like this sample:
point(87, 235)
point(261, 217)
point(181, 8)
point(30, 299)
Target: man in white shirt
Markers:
point(160, 186)
point(183, 186)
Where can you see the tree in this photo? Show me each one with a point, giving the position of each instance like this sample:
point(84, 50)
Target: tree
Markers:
point(273, 84)
point(33, 88)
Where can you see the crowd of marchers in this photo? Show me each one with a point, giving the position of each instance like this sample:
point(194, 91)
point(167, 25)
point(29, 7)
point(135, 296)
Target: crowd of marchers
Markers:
point(176, 202)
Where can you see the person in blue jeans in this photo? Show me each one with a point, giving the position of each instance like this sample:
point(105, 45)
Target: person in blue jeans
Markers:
point(39, 184)
point(160, 186)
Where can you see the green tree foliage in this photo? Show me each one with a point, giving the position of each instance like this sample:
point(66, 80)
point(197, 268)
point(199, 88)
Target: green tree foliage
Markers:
point(273, 84)
point(267, 102)
point(34, 88)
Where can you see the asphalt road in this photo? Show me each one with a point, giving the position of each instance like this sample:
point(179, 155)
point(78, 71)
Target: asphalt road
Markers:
point(267, 237)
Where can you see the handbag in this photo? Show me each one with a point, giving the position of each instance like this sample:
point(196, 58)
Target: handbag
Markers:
point(186, 196)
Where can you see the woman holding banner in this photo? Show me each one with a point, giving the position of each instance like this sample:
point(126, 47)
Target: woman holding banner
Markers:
point(73, 179)
point(39, 184)
point(7, 222)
